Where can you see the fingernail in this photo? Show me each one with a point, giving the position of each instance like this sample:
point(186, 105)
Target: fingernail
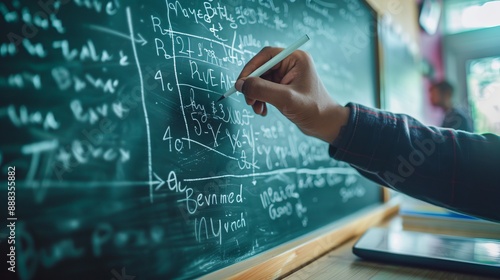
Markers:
point(239, 85)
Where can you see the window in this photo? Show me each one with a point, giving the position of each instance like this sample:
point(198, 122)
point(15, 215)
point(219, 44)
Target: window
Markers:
point(469, 15)
point(483, 82)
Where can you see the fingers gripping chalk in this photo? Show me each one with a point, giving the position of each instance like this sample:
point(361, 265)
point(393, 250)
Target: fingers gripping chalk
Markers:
point(272, 62)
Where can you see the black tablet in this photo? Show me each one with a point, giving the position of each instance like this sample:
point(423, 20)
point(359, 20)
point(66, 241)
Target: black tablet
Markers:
point(464, 254)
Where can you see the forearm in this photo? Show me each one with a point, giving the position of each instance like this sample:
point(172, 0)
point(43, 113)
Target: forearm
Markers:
point(454, 169)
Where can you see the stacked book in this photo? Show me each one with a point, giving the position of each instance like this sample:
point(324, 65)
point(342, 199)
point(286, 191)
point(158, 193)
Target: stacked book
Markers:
point(417, 214)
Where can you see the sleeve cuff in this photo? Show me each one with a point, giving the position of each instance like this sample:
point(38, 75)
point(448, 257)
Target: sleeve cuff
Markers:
point(366, 125)
point(345, 133)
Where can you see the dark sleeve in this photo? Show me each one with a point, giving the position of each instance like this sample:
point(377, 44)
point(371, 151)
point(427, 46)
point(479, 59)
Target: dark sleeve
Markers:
point(453, 169)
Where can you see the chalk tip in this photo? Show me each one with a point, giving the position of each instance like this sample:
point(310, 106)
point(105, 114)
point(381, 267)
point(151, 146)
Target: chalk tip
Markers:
point(222, 97)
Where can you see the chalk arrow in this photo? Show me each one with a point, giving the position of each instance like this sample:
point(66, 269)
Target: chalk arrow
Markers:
point(254, 182)
point(139, 40)
point(160, 182)
point(32, 184)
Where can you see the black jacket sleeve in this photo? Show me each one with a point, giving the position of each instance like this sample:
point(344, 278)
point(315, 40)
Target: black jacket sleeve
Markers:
point(449, 168)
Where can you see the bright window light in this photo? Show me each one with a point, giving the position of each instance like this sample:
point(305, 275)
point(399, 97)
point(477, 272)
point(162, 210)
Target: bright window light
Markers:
point(483, 81)
point(486, 15)
point(462, 15)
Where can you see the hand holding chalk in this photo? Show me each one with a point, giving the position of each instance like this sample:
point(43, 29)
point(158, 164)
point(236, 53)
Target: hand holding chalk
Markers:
point(294, 88)
point(272, 62)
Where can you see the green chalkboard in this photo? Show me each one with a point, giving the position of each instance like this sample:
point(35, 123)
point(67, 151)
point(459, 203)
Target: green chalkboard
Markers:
point(123, 163)
point(400, 73)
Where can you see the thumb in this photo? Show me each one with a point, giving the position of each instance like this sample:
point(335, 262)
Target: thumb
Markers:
point(263, 90)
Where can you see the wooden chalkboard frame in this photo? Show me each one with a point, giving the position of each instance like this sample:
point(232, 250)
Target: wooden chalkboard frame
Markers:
point(295, 254)
point(291, 256)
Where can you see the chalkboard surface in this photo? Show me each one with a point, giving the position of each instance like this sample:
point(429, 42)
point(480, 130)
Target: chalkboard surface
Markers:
point(122, 162)
point(400, 73)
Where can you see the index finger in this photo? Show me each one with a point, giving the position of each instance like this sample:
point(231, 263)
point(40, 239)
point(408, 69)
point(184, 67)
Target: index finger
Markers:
point(259, 59)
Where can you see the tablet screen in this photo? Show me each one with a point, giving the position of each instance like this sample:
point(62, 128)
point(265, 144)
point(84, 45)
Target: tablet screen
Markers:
point(484, 251)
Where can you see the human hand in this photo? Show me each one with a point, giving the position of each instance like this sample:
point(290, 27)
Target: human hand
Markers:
point(295, 89)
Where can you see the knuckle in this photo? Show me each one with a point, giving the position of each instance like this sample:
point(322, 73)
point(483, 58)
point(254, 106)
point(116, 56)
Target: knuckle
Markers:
point(270, 51)
point(248, 86)
point(301, 53)
point(304, 54)
point(266, 49)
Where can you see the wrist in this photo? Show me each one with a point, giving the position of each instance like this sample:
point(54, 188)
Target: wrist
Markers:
point(336, 116)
